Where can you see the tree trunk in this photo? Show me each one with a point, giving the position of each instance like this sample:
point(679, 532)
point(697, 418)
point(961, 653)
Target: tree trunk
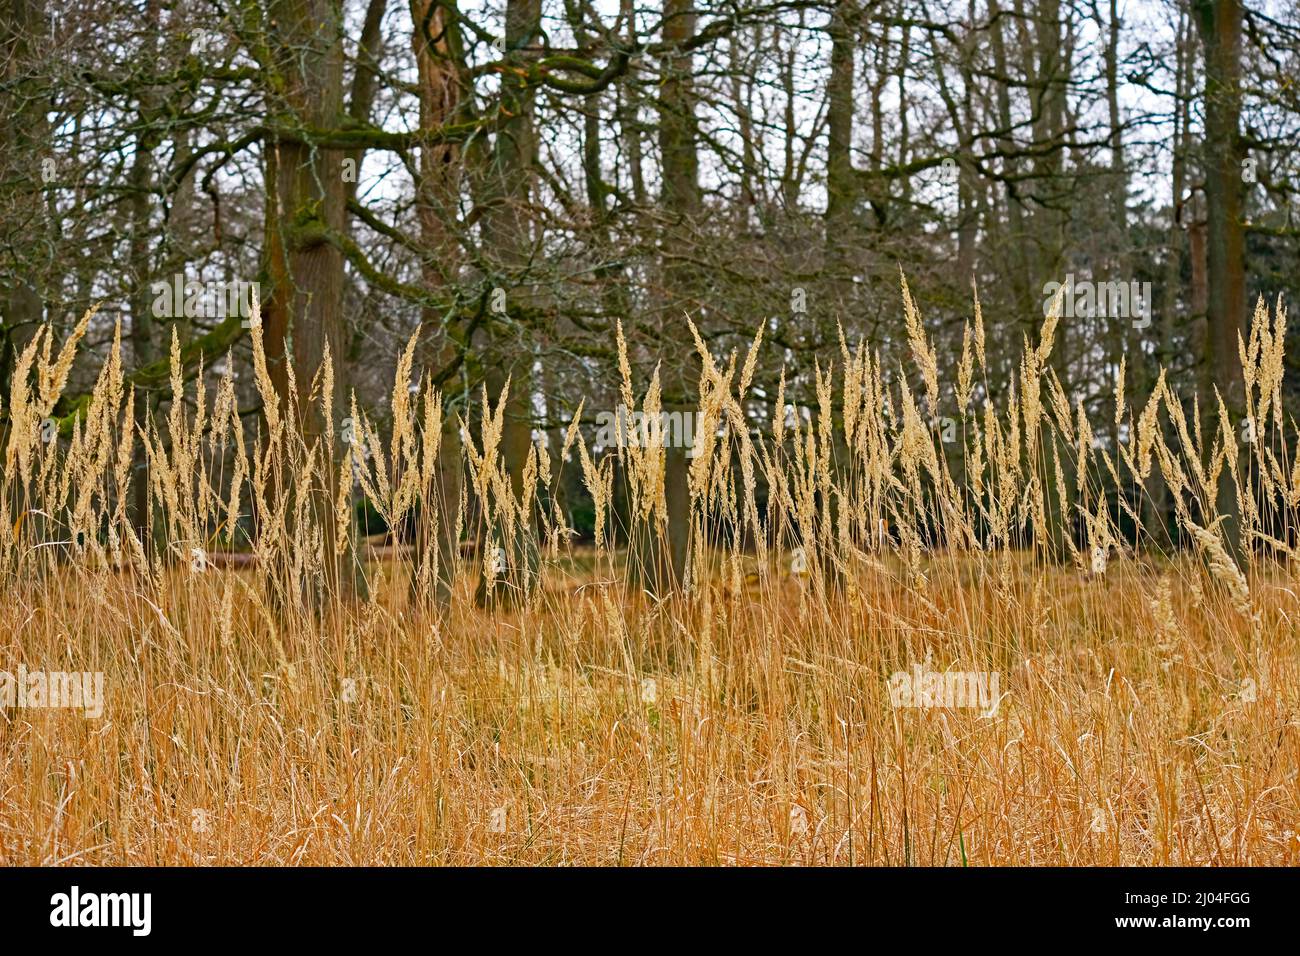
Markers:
point(24, 130)
point(508, 245)
point(1220, 25)
point(659, 554)
point(306, 201)
point(437, 198)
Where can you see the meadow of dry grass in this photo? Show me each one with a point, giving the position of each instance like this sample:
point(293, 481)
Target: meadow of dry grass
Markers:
point(1147, 706)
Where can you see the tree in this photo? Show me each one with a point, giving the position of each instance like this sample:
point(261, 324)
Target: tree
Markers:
point(305, 205)
point(1219, 22)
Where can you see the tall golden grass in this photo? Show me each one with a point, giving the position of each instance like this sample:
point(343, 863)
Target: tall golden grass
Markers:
point(1148, 697)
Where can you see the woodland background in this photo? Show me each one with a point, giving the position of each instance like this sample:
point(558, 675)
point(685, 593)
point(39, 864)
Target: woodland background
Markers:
point(512, 179)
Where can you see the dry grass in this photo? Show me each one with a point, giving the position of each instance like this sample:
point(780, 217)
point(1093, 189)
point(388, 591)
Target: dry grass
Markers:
point(1149, 701)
